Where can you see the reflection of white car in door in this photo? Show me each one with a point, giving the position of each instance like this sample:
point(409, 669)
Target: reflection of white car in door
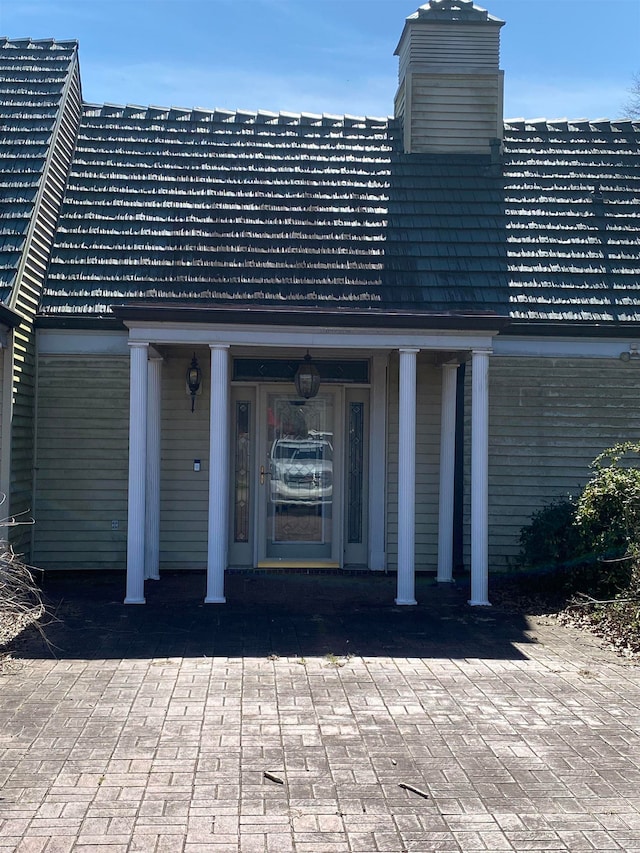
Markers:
point(301, 470)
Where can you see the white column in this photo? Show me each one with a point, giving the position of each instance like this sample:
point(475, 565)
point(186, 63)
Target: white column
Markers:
point(137, 472)
point(378, 463)
point(218, 474)
point(152, 517)
point(447, 472)
point(407, 477)
point(480, 478)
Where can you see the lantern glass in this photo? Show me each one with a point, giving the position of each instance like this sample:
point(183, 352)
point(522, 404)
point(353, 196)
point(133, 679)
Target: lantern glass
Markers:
point(193, 378)
point(307, 379)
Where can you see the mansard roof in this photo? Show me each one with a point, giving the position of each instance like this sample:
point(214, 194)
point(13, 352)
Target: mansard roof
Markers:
point(33, 75)
point(215, 207)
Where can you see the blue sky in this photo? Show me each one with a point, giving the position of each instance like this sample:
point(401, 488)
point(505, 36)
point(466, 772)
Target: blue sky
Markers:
point(562, 58)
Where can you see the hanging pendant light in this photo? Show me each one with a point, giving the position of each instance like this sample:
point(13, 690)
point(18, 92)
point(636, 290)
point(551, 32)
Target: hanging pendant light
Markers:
point(307, 378)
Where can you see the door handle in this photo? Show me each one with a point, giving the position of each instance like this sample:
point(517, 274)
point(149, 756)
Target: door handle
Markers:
point(263, 473)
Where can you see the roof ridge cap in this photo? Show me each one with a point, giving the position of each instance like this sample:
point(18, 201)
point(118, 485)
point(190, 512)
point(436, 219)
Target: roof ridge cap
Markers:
point(522, 123)
point(28, 40)
point(217, 113)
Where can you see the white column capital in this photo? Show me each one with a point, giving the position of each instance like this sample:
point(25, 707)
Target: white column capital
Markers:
point(219, 346)
point(409, 349)
point(138, 344)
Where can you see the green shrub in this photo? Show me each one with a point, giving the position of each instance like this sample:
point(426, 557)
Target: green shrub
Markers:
point(592, 545)
point(551, 537)
point(608, 510)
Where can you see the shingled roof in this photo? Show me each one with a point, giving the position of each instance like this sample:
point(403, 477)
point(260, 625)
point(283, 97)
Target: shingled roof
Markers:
point(572, 206)
point(33, 75)
point(211, 207)
point(269, 208)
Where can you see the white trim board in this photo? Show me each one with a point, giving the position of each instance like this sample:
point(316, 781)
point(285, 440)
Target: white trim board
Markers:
point(563, 347)
point(281, 336)
point(89, 342)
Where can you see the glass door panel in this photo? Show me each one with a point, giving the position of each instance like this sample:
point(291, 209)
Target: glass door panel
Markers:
point(299, 477)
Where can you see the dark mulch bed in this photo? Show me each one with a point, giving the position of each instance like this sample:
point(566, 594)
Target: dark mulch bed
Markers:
point(608, 610)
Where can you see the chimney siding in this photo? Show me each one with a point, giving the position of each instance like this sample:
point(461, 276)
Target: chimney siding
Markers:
point(450, 93)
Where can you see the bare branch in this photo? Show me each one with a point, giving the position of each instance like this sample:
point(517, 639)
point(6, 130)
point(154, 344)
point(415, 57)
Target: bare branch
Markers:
point(631, 109)
point(21, 601)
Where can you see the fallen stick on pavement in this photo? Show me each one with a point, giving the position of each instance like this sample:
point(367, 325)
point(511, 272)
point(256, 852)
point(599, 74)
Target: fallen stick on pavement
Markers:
point(273, 778)
point(413, 790)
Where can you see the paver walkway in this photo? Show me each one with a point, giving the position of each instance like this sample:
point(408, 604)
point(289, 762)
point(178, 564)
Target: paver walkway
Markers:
point(153, 728)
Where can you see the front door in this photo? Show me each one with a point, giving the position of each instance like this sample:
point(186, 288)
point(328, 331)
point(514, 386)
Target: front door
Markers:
point(299, 478)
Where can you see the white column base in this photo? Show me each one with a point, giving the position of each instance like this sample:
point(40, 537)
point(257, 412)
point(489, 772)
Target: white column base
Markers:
point(474, 603)
point(135, 600)
point(215, 600)
point(402, 602)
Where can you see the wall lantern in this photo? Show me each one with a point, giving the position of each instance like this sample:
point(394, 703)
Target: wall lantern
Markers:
point(194, 380)
point(307, 378)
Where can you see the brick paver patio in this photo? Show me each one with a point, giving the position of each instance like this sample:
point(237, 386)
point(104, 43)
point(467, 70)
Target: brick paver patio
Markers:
point(154, 726)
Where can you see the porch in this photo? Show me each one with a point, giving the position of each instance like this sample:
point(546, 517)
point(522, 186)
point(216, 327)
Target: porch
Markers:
point(227, 343)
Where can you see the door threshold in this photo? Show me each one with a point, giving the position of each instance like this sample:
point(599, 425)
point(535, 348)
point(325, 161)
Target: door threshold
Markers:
point(297, 564)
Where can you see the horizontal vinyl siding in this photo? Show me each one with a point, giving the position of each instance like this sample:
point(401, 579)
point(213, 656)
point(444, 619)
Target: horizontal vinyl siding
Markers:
point(81, 462)
point(21, 503)
point(454, 113)
point(459, 46)
point(183, 491)
point(549, 418)
point(427, 466)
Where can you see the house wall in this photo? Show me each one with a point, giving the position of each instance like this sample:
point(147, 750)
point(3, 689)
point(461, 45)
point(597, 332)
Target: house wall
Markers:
point(184, 493)
point(429, 384)
point(549, 417)
point(81, 462)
